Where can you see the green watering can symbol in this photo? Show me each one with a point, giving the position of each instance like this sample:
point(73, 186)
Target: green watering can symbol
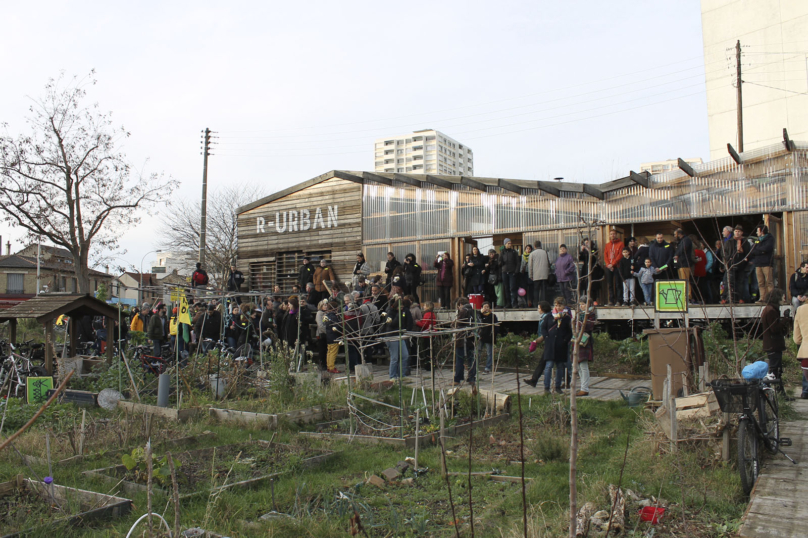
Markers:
point(671, 296)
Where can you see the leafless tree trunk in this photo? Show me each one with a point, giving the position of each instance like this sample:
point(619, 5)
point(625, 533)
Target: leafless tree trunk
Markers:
point(66, 181)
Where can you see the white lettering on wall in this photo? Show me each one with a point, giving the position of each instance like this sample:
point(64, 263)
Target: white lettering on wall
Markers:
point(280, 229)
point(332, 216)
point(299, 220)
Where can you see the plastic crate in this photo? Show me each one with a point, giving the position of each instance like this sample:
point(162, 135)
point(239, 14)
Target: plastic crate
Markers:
point(732, 393)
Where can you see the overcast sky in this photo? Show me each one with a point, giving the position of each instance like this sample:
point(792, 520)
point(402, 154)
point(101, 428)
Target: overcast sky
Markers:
point(583, 90)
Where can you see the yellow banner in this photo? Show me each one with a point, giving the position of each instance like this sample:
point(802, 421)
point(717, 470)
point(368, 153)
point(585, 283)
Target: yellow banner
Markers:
point(185, 315)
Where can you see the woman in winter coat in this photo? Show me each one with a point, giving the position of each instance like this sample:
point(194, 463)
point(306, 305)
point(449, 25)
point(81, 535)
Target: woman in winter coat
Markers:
point(524, 281)
point(585, 321)
point(557, 331)
point(492, 276)
point(322, 273)
point(361, 269)
point(322, 338)
point(478, 278)
point(798, 286)
point(564, 271)
point(412, 273)
point(445, 278)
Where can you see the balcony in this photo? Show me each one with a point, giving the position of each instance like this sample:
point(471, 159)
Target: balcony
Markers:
point(14, 291)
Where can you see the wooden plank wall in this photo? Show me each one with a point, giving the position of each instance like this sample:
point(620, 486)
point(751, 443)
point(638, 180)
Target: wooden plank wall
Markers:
point(344, 240)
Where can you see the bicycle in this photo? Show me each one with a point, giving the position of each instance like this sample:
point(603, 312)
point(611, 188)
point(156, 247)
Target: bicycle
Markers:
point(15, 370)
point(746, 398)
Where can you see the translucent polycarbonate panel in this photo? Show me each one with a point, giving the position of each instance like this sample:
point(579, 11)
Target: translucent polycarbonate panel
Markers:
point(376, 256)
point(375, 210)
point(800, 239)
point(402, 249)
point(435, 212)
point(403, 213)
point(550, 241)
point(475, 212)
point(429, 251)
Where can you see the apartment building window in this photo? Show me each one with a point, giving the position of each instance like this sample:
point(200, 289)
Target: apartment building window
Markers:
point(409, 159)
point(430, 147)
point(399, 161)
point(409, 150)
point(399, 170)
point(409, 169)
point(399, 152)
point(389, 169)
point(430, 157)
point(16, 283)
point(389, 142)
point(417, 138)
point(388, 161)
point(430, 168)
point(417, 167)
point(428, 138)
point(417, 148)
point(399, 142)
point(409, 141)
point(379, 163)
point(388, 152)
point(418, 158)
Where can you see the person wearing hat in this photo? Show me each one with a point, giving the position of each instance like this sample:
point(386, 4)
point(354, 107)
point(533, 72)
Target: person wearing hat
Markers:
point(324, 272)
point(511, 263)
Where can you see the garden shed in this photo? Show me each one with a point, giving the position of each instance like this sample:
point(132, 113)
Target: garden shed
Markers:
point(46, 308)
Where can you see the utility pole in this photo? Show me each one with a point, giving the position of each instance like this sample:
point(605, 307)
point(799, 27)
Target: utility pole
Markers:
point(204, 219)
point(738, 82)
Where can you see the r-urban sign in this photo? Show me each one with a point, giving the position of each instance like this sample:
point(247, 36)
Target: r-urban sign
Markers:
point(294, 220)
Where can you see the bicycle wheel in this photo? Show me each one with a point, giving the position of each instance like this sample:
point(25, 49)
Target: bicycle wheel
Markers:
point(748, 461)
point(769, 420)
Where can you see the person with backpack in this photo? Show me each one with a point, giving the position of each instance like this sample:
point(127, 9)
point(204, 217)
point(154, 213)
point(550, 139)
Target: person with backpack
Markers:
point(199, 277)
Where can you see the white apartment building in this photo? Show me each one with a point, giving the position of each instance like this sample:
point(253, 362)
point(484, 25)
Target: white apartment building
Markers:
point(169, 261)
point(658, 167)
point(774, 70)
point(423, 152)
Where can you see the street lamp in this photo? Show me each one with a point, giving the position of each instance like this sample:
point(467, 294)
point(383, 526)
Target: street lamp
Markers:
point(140, 289)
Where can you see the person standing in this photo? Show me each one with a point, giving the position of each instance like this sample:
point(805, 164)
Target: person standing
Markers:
point(585, 321)
point(684, 258)
point(557, 344)
point(333, 331)
point(797, 286)
point(564, 271)
point(661, 255)
point(626, 275)
point(538, 271)
point(740, 268)
point(478, 275)
point(545, 309)
point(511, 263)
point(524, 281)
point(445, 278)
point(235, 280)
point(464, 346)
point(489, 329)
point(158, 330)
point(638, 262)
point(762, 255)
point(492, 276)
point(361, 269)
point(397, 320)
point(700, 272)
point(800, 329)
point(611, 257)
point(412, 274)
point(306, 273)
point(646, 277)
point(590, 268)
point(199, 277)
point(774, 329)
point(322, 274)
point(322, 338)
point(389, 267)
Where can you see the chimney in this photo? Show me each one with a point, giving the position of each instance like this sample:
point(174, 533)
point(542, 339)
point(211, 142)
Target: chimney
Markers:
point(107, 269)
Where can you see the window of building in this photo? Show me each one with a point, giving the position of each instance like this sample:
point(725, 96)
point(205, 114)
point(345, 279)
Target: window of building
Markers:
point(417, 138)
point(417, 167)
point(389, 142)
point(430, 147)
point(282, 270)
point(409, 141)
point(399, 152)
point(399, 170)
point(379, 163)
point(428, 138)
point(409, 159)
point(417, 148)
point(388, 152)
point(389, 169)
point(409, 169)
point(15, 283)
point(399, 161)
point(388, 161)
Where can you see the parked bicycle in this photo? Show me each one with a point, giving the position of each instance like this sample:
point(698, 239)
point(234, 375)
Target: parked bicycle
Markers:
point(15, 369)
point(759, 421)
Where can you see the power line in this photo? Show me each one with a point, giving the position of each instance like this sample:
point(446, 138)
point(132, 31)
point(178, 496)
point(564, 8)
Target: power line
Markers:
point(773, 88)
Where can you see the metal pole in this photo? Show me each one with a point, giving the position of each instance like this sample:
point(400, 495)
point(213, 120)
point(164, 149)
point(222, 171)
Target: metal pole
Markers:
point(400, 375)
point(204, 215)
point(347, 363)
point(38, 257)
point(739, 94)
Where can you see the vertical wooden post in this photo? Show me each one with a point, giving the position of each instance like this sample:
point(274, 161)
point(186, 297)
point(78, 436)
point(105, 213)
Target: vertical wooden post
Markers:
point(49, 346)
point(442, 447)
point(725, 439)
point(685, 389)
point(671, 401)
point(417, 440)
point(702, 383)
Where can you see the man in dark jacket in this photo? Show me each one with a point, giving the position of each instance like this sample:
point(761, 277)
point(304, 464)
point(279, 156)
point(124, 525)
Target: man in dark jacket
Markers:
point(412, 275)
point(236, 279)
point(511, 263)
point(489, 330)
point(208, 325)
point(798, 287)
point(158, 329)
point(661, 255)
point(761, 254)
point(737, 251)
point(306, 273)
point(389, 267)
point(684, 258)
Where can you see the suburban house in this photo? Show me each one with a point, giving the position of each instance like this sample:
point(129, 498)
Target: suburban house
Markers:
point(18, 274)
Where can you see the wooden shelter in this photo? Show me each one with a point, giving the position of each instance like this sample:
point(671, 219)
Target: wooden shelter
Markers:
point(47, 307)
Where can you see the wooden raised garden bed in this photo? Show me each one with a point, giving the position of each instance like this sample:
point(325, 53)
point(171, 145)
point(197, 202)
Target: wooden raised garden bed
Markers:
point(29, 503)
point(270, 421)
point(259, 461)
point(170, 413)
point(426, 439)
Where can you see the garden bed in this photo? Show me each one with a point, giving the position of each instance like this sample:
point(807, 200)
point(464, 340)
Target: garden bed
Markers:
point(27, 505)
point(179, 415)
point(270, 421)
point(223, 467)
point(427, 437)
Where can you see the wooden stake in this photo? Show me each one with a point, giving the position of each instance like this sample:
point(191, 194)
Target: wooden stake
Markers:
point(81, 435)
point(176, 494)
point(149, 469)
point(685, 391)
point(417, 427)
point(442, 431)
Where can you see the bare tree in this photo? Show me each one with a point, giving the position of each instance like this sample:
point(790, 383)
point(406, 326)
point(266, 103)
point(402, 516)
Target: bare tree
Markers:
point(66, 181)
point(182, 229)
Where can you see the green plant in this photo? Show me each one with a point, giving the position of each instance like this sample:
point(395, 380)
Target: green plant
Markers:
point(551, 448)
point(136, 466)
point(635, 353)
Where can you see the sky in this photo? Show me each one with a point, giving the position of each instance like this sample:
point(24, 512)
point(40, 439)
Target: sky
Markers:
point(585, 90)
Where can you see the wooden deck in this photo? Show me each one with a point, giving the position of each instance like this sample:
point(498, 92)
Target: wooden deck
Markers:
point(600, 388)
point(777, 507)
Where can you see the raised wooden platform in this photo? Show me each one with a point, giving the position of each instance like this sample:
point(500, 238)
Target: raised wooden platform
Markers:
point(600, 388)
point(637, 313)
point(777, 508)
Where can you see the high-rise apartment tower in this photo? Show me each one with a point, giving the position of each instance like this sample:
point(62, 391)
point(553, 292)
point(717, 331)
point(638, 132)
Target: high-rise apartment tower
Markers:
point(423, 152)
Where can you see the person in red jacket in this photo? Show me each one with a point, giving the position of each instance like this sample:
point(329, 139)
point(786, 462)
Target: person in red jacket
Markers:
point(427, 323)
point(612, 253)
point(704, 293)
